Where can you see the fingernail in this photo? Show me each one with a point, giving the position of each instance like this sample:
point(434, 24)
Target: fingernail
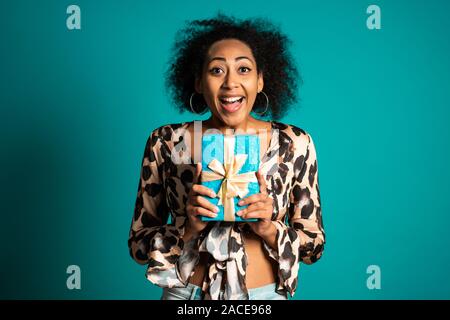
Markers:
point(239, 213)
point(216, 209)
point(240, 202)
point(213, 194)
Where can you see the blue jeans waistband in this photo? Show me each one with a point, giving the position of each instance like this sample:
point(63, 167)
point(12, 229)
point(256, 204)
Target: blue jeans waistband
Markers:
point(194, 292)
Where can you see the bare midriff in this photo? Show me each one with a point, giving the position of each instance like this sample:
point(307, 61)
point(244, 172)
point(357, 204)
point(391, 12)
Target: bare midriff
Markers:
point(261, 269)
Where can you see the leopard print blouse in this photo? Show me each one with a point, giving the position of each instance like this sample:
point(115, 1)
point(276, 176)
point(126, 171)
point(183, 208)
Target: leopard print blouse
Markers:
point(290, 169)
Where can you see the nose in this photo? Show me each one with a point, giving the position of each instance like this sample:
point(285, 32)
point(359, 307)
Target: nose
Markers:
point(231, 80)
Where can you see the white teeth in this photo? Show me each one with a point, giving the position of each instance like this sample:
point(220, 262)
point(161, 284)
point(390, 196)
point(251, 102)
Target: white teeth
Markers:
point(231, 99)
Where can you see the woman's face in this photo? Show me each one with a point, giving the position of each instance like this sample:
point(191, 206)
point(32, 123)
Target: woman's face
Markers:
point(230, 81)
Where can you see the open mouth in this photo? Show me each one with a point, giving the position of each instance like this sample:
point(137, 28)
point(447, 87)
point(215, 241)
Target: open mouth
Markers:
point(231, 104)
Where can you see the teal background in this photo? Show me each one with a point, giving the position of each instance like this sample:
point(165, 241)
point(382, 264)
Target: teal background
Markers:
point(77, 108)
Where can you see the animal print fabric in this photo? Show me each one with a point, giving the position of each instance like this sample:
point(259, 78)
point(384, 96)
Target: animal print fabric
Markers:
point(290, 169)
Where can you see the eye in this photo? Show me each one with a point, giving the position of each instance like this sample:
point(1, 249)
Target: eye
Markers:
point(245, 69)
point(215, 70)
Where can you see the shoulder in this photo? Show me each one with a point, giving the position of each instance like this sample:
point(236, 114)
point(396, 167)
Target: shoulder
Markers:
point(300, 148)
point(161, 139)
point(165, 132)
point(293, 134)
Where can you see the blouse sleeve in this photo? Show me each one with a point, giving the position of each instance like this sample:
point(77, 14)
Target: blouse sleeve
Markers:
point(303, 238)
point(152, 240)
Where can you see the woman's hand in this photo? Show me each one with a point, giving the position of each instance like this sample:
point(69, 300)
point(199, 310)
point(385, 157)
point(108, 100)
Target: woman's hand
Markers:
point(199, 206)
point(261, 207)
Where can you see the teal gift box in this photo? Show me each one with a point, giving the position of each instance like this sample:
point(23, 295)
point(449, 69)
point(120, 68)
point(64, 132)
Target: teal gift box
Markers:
point(229, 165)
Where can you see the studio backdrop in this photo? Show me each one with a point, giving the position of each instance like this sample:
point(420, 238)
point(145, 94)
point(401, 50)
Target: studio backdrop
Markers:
point(82, 87)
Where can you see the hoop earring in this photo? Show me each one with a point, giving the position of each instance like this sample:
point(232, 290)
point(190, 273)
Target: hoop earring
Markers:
point(267, 104)
point(190, 104)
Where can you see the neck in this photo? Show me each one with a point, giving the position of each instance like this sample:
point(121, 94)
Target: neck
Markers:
point(248, 123)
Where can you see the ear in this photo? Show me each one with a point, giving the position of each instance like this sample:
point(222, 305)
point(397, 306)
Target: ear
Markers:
point(260, 82)
point(198, 85)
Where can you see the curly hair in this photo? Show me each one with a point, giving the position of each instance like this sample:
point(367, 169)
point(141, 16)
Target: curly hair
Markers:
point(269, 47)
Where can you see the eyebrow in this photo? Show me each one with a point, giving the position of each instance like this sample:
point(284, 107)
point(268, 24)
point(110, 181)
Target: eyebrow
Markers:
point(223, 59)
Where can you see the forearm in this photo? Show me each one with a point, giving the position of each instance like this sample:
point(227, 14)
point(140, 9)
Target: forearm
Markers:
point(270, 236)
point(189, 232)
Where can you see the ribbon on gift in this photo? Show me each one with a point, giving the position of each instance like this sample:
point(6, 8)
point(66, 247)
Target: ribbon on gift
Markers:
point(234, 183)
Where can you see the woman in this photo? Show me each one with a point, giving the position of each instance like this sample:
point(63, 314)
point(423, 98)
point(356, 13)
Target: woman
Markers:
point(233, 69)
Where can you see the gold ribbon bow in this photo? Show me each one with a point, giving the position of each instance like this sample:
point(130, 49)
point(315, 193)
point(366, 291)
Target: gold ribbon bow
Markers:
point(234, 183)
